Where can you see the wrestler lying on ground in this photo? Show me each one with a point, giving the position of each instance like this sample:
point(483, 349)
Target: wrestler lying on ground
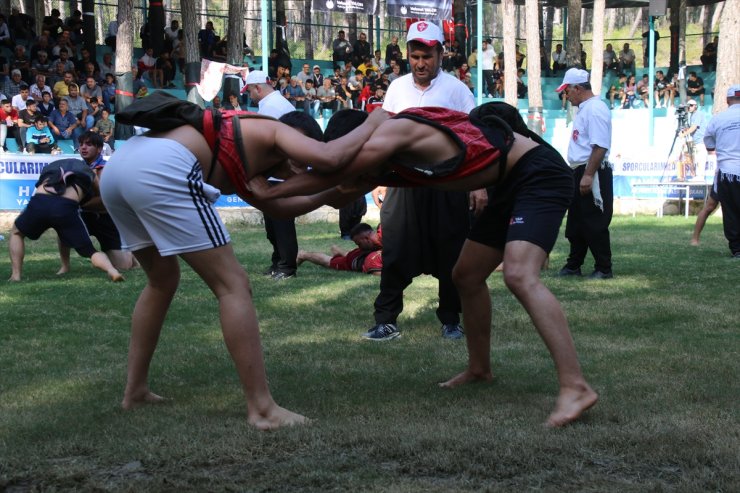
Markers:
point(366, 258)
point(160, 190)
point(532, 190)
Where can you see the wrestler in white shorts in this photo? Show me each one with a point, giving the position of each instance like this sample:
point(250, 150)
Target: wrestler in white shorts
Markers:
point(153, 189)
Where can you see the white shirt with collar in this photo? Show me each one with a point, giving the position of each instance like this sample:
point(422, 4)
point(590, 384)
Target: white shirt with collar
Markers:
point(274, 105)
point(592, 126)
point(36, 92)
point(445, 91)
point(723, 135)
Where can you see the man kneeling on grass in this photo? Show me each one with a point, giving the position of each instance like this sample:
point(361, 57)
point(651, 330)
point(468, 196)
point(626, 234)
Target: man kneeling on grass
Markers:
point(532, 189)
point(366, 258)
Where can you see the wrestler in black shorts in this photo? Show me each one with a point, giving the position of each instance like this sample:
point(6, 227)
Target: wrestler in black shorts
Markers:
point(530, 203)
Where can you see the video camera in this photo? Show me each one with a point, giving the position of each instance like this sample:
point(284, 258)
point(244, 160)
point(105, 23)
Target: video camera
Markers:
point(682, 116)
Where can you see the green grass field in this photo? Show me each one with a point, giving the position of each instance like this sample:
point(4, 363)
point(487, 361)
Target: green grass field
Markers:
point(659, 343)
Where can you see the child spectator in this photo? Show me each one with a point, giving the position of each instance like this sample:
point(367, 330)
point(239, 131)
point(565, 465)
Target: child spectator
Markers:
point(40, 139)
point(46, 106)
point(105, 127)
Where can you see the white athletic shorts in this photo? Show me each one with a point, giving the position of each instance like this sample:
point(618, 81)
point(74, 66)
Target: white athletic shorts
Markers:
point(153, 189)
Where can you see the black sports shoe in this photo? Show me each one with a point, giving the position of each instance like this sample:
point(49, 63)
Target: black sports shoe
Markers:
point(281, 276)
point(452, 331)
point(269, 272)
point(597, 274)
point(382, 332)
point(565, 272)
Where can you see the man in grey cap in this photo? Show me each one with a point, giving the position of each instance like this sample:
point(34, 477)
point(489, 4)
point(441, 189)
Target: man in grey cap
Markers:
point(590, 213)
point(723, 138)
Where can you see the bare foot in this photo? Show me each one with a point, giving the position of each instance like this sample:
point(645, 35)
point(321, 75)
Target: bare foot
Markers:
point(572, 402)
point(466, 377)
point(115, 276)
point(63, 270)
point(277, 417)
point(133, 401)
point(300, 257)
point(694, 242)
point(14, 278)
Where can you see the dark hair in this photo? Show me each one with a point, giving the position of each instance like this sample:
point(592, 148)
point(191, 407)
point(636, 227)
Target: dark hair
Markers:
point(303, 123)
point(359, 229)
point(417, 45)
point(342, 123)
point(40, 118)
point(5, 101)
point(90, 137)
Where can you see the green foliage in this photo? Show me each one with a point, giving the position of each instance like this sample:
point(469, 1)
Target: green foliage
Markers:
point(659, 343)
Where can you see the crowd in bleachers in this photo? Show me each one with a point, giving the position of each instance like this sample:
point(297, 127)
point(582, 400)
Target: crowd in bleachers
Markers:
point(51, 88)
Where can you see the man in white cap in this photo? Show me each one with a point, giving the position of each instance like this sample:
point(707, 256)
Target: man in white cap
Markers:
point(423, 229)
point(590, 213)
point(723, 138)
point(280, 232)
point(695, 132)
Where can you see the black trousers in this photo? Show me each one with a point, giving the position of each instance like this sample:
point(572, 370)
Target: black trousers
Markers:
point(423, 233)
point(351, 215)
point(587, 227)
point(728, 189)
point(282, 236)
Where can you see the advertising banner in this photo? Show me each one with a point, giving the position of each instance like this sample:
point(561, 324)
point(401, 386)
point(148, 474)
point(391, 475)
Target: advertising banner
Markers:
point(369, 7)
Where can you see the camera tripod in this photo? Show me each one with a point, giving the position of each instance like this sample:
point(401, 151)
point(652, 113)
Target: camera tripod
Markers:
point(686, 159)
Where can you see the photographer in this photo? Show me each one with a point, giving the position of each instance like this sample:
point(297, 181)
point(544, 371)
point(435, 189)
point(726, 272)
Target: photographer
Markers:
point(694, 132)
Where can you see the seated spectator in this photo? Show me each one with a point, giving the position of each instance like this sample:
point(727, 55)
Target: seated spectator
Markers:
point(85, 58)
point(53, 23)
point(107, 66)
point(216, 103)
point(42, 65)
point(78, 107)
point(22, 26)
point(62, 186)
point(108, 92)
point(328, 97)
point(75, 25)
point(4, 69)
point(629, 93)
point(5, 37)
point(146, 65)
point(164, 71)
point(41, 44)
point(105, 127)
point(559, 60)
point(616, 91)
point(13, 85)
point(312, 98)
point(207, 39)
point(94, 111)
point(366, 258)
point(91, 90)
point(709, 56)
point(170, 34)
point(26, 119)
point(377, 97)
point(379, 62)
point(610, 58)
point(694, 87)
point(39, 138)
point(63, 124)
point(665, 92)
point(626, 59)
point(20, 61)
point(178, 51)
point(395, 73)
point(295, 95)
point(56, 76)
point(64, 41)
point(18, 102)
point(64, 58)
point(46, 106)
point(140, 89)
point(643, 90)
point(344, 93)
point(462, 71)
point(8, 123)
point(318, 77)
point(234, 103)
point(521, 87)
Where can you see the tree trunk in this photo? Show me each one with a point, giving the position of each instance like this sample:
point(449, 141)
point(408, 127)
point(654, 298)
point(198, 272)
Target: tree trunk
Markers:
point(124, 55)
point(636, 23)
point(39, 13)
point(234, 46)
point(549, 17)
point(534, 119)
point(611, 20)
point(682, 17)
point(573, 48)
point(728, 54)
point(675, 16)
point(249, 24)
point(706, 23)
point(717, 12)
point(308, 31)
point(190, 28)
point(509, 52)
point(597, 55)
